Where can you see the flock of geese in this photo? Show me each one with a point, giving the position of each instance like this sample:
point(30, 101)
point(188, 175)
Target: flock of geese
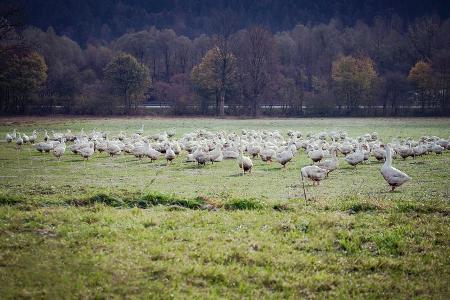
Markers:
point(204, 147)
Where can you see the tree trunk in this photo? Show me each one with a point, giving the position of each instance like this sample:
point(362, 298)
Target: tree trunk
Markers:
point(222, 104)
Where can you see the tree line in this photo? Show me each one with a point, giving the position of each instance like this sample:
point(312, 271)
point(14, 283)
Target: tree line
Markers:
point(87, 21)
point(384, 67)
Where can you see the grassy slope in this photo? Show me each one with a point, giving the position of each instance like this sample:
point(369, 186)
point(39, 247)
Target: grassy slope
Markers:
point(352, 239)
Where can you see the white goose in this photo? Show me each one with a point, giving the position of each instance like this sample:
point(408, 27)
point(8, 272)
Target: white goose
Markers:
point(25, 138)
point(314, 173)
point(8, 138)
point(141, 130)
point(436, 148)
point(329, 164)
point(267, 154)
point(19, 141)
point(87, 152)
point(284, 157)
point(33, 137)
point(59, 150)
point(215, 155)
point(113, 149)
point(46, 137)
point(316, 155)
point(355, 158)
point(244, 162)
point(379, 153)
point(393, 176)
point(200, 156)
point(170, 154)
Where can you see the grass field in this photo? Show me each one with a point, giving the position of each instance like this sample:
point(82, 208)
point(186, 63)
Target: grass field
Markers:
point(128, 228)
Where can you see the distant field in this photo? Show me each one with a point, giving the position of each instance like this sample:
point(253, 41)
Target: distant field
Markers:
point(68, 229)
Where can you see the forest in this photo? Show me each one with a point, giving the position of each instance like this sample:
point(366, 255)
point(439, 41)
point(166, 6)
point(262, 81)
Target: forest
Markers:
point(225, 58)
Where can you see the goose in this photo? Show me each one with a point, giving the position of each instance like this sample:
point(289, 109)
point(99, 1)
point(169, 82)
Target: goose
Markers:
point(113, 149)
point(33, 137)
point(77, 146)
point(40, 146)
point(152, 154)
point(176, 148)
point(46, 138)
point(329, 164)
point(101, 145)
point(56, 136)
point(230, 154)
point(405, 151)
point(121, 136)
point(19, 142)
point(59, 150)
point(69, 136)
point(128, 148)
point(355, 158)
point(316, 155)
point(141, 130)
point(448, 144)
point(443, 143)
point(366, 152)
point(393, 176)
point(44, 147)
point(315, 173)
point(138, 151)
point(25, 138)
point(292, 147)
point(190, 157)
point(170, 154)
point(284, 157)
point(436, 148)
point(79, 143)
point(200, 156)
point(253, 150)
point(379, 153)
point(8, 138)
point(170, 133)
point(87, 152)
point(14, 134)
point(119, 144)
point(244, 162)
point(215, 155)
point(374, 136)
point(346, 148)
point(420, 150)
point(294, 134)
point(267, 154)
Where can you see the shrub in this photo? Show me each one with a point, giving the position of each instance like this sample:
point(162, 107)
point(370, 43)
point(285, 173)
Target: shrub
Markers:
point(153, 199)
point(9, 200)
point(107, 200)
point(243, 204)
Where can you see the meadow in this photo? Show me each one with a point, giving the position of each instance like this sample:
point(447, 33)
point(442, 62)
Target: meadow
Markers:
point(121, 227)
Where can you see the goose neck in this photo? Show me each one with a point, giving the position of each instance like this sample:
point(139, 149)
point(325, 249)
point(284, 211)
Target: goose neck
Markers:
point(388, 157)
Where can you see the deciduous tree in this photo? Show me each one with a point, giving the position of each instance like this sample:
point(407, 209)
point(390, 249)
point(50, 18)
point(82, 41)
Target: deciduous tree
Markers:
point(128, 79)
point(353, 79)
point(215, 76)
point(21, 77)
point(257, 64)
point(421, 75)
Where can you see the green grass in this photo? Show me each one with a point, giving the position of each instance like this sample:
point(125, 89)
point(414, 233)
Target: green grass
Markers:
point(129, 228)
